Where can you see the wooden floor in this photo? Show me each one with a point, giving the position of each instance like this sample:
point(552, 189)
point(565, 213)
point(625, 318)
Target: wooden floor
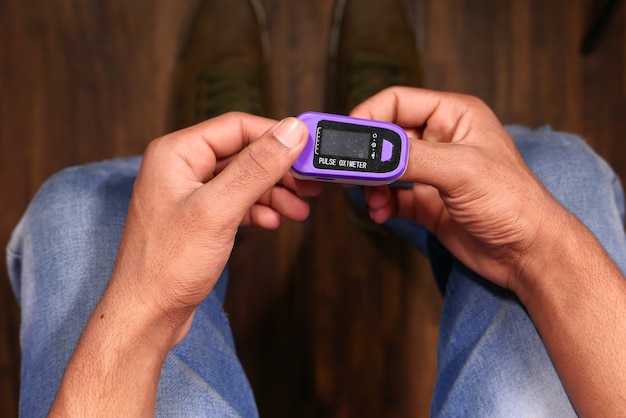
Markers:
point(331, 320)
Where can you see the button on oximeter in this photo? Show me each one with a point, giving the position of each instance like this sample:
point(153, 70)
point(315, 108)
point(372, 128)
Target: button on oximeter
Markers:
point(387, 151)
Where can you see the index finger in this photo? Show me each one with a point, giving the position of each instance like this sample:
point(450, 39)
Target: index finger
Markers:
point(198, 149)
point(440, 115)
point(226, 134)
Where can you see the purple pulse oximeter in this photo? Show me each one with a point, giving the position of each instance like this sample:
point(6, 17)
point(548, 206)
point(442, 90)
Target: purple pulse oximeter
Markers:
point(350, 150)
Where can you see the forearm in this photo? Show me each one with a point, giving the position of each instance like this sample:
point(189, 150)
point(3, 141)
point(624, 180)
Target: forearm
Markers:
point(116, 366)
point(576, 297)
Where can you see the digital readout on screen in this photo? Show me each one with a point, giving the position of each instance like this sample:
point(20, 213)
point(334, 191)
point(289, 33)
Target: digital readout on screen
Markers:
point(345, 143)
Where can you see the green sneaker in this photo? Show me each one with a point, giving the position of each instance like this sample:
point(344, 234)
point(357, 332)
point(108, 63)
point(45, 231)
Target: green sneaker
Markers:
point(222, 65)
point(372, 48)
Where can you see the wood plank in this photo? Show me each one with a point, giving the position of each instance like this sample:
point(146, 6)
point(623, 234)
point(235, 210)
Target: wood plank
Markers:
point(319, 332)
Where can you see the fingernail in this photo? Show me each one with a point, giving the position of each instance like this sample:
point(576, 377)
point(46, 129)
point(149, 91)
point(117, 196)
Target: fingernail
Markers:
point(288, 132)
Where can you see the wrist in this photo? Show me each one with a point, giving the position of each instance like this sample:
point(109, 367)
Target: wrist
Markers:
point(137, 294)
point(133, 321)
point(117, 364)
point(558, 248)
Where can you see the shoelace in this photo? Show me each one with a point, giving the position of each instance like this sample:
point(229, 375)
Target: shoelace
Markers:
point(223, 92)
point(368, 77)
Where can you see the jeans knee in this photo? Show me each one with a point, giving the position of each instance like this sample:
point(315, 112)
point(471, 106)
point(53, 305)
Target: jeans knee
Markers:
point(568, 167)
point(558, 157)
point(73, 209)
point(77, 192)
point(69, 235)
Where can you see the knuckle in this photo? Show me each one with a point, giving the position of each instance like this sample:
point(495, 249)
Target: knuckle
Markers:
point(254, 168)
point(257, 163)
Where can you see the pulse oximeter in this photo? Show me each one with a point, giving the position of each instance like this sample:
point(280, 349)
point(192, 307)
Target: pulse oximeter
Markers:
point(349, 150)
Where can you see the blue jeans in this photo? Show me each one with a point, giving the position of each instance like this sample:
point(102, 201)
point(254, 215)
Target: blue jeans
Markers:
point(491, 361)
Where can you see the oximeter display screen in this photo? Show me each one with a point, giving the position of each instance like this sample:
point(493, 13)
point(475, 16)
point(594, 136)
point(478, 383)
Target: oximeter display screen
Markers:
point(358, 148)
point(345, 143)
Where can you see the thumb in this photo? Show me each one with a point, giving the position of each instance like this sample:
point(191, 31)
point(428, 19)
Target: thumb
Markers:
point(259, 166)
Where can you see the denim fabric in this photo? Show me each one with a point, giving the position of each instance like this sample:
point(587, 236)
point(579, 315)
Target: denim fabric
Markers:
point(60, 258)
point(491, 361)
